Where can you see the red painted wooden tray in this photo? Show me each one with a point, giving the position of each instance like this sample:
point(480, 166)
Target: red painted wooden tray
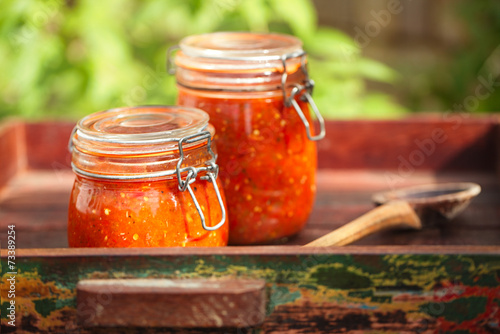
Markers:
point(393, 281)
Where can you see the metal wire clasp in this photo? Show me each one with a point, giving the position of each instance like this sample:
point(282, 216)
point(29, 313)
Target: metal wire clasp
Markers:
point(305, 93)
point(170, 62)
point(211, 170)
point(71, 145)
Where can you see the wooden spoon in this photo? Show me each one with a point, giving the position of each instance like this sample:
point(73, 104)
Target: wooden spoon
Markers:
point(406, 208)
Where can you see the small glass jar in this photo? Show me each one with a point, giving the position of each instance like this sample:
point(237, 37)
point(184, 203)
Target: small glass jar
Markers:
point(257, 91)
point(133, 167)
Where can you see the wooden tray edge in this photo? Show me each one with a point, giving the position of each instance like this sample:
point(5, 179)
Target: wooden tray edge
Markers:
point(255, 250)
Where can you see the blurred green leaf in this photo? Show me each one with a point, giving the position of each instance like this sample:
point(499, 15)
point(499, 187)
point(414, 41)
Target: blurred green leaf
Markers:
point(69, 59)
point(255, 14)
point(329, 43)
point(300, 15)
point(377, 71)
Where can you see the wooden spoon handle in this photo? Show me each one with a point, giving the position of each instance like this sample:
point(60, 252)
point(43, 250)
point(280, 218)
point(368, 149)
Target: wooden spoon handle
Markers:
point(393, 214)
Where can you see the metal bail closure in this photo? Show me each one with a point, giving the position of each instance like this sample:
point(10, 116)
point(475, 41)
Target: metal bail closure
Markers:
point(170, 61)
point(305, 91)
point(296, 90)
point(192, 172)
point(70, 142)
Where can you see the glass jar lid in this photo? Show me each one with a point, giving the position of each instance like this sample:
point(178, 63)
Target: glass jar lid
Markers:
point(138, 130)
point(142, 142)
point(240, 52)
point(240, 45)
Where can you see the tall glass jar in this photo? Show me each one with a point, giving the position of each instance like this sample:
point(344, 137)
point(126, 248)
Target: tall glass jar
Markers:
point(257, 91)
point(133, 167)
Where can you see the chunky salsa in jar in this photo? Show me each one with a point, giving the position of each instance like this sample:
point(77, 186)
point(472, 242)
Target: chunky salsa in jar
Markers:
point(257, 91)
point(146, 177)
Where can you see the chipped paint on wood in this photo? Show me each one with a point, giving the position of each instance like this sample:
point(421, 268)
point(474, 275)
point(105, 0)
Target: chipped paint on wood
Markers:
point(381, 293)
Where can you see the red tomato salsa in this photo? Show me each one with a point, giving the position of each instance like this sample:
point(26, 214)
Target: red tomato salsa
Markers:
point(267, 163)
point(142, 214)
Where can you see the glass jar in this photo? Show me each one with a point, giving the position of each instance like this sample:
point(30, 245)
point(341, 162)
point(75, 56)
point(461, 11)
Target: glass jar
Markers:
point(257, 91)
point(133, 167)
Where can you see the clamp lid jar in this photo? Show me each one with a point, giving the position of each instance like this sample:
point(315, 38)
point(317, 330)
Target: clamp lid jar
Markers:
point(257, 91)
point(133, 167)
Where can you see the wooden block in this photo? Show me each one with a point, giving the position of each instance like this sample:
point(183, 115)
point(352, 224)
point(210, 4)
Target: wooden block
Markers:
point(188, 303)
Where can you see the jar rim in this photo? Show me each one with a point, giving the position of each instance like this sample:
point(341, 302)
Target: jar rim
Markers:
point(243, 46)
point(239, 61)
point(141, 142)
point(138, 130)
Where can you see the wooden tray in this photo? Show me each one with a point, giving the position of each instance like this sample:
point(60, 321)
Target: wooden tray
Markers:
point(444, 278)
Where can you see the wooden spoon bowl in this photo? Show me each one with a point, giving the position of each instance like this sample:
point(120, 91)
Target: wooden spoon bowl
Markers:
point(430, 201)
point(409, 208)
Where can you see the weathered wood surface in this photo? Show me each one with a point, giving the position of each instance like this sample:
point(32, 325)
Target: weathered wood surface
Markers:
point(453, 141)
point(12, 155)
point(383, 289)
point(37, 203)
point(411, 288)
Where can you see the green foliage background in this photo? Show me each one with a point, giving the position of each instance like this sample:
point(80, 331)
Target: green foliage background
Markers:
point(66, 59)
point(450, 82)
